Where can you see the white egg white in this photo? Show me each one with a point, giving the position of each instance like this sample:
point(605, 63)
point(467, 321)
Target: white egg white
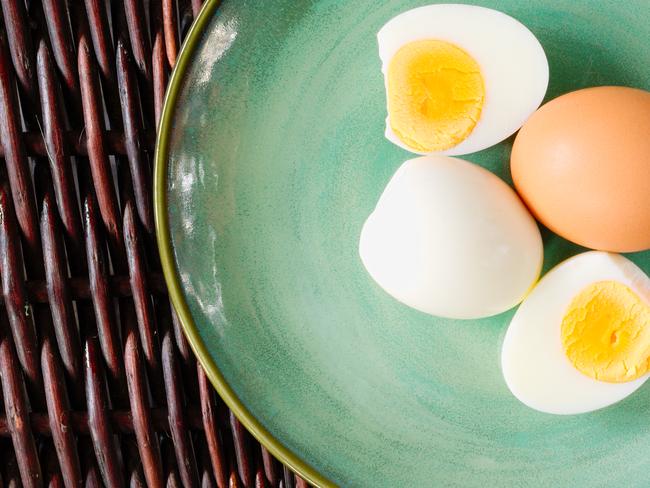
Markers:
point(513, 64)
point(451, 239)
point(533, 361)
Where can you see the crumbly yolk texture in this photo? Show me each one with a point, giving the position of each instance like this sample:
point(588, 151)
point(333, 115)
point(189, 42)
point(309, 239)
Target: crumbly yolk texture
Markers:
point(435, 95)
point(606, 333)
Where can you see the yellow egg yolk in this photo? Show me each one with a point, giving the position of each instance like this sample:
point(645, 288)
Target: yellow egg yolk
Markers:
point(606, 333)
point(435, 95)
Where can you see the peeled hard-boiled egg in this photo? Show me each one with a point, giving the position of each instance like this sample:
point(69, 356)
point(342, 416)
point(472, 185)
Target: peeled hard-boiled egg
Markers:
point(451, 239)
point(580, 341)
point(459, 78)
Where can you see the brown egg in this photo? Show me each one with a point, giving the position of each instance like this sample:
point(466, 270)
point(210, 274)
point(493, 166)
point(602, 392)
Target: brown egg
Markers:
point(582, 165)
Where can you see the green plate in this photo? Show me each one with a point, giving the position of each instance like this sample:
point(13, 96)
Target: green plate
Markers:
point(270, 156)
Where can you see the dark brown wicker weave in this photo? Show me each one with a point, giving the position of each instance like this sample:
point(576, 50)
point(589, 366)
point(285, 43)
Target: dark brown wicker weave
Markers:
point(98, 384)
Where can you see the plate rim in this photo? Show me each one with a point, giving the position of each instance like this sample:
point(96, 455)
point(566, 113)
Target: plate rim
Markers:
point(163, 238)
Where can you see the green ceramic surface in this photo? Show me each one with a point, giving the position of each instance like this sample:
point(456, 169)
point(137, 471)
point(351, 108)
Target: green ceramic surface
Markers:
point(271, 157)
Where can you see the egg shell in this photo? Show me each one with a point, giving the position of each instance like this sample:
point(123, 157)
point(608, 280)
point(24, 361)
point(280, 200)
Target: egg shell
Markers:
point(451, 239)
point(582, 165)
point(533, 361)
point(513, 64)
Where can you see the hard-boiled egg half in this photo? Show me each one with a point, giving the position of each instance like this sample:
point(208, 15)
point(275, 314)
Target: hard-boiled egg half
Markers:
point(451, 239)
point(580, 341)
point(459, 78)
